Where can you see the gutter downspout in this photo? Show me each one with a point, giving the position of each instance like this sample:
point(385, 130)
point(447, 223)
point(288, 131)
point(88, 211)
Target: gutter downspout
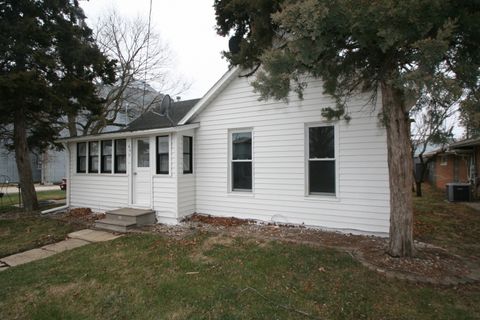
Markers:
point(67, 205)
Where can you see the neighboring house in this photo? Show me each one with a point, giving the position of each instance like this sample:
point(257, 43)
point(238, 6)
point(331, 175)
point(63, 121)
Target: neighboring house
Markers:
point(8, 166)
point(458, 162)
point(228, 154)
point(49, 167)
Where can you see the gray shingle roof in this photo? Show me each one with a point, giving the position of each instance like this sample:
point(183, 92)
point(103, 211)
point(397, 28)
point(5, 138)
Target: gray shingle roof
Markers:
point(153, 120)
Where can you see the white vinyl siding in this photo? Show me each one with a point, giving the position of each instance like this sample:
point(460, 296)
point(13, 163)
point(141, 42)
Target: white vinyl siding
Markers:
point(280, 194)
point(99, 192)
point(186, 181)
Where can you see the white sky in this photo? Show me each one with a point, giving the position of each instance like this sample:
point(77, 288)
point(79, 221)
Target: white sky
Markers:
point(188, 28)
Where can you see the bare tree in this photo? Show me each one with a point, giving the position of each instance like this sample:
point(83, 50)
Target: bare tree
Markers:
point(432, 125)
point(142, 58)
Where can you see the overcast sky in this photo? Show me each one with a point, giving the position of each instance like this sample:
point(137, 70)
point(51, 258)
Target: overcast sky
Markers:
point(188, 26)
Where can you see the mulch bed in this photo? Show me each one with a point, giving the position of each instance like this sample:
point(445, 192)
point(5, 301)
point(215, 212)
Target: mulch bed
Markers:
point(83, 216)
point(430, 264)
point(217, 221)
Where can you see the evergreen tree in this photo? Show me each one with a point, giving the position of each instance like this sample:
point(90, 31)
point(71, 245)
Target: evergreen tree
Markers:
point(395, 48)
point(48, 62)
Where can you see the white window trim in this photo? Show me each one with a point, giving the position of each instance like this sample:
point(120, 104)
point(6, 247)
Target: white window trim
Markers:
point(230, 161)
point(114, 150)
point(170, 154)
point(87, 164)
point(191, 155)
point(99, 144)
point(76, 159)
point(111, 157)
point(321, 196)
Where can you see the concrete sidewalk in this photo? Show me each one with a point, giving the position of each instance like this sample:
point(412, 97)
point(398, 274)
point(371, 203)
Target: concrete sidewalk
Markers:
point(75, 239)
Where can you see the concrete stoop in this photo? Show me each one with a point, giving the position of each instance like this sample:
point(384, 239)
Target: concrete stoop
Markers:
point(121, 220)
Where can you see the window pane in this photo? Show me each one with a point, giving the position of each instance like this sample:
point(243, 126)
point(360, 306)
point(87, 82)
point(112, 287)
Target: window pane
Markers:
point(162, 143)
point(121, 164)
point(143, 153)
point(107, 164)
point(321, 142)
point(186, 163)
point(82, 164)
point(322, 176)
point(186, 144)
point(93, 165)
point(93, 148)
point(107, 148)
point(162, 163)
point(121, 146)
point(187, 154)
point(82, 148)
point(242, 146)
point(242, 175)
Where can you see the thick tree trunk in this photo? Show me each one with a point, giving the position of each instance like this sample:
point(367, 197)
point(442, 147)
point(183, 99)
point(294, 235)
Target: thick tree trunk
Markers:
point(22, 157)
point(400, 167)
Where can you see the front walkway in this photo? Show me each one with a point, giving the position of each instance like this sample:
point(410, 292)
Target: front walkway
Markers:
point(75, 239)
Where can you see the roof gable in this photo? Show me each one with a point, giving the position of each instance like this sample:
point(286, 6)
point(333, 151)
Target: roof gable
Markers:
point(218, 87)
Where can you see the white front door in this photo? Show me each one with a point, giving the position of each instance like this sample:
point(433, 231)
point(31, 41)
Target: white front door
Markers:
point(142, 179)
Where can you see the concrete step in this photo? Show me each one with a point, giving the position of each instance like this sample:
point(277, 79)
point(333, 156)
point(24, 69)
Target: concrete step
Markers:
point(139, 217)
point(114, 225)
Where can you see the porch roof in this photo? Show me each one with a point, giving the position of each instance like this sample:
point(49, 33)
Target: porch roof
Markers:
point(151, 122)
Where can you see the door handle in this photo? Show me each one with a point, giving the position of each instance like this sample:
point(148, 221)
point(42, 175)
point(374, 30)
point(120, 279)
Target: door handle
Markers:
point(135, 173)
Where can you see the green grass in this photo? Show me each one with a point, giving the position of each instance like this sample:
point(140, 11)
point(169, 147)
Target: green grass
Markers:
point(146, 277)
point(30, 231)
point(451, 225)
point(8, 202)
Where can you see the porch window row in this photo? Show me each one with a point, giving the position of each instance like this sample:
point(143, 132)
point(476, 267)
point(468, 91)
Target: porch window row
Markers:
point(102, 156)
point(107, 155)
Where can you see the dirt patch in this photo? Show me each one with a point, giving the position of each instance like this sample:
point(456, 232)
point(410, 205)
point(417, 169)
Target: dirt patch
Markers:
point(199, 255)
point(70, 288)
point(184, 313)
point(63, 289)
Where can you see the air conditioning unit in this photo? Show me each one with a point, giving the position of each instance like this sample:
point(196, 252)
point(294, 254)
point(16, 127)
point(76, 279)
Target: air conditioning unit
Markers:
point(458, 192)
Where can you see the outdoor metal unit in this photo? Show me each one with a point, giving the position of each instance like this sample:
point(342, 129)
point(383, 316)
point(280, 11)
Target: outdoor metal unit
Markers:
point(458, 192)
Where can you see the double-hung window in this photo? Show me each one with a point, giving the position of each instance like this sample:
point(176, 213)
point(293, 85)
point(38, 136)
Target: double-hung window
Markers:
point(93, 157)
point(82, 157)
point(106, 155)
point(321, 160)
point(120, 160)
point(163, 163)
point(241, 161)
point(187, 154)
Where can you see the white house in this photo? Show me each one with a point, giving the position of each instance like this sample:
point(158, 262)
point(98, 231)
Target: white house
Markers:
point(229, 154)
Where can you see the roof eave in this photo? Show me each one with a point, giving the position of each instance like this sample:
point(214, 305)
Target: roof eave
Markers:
point(129, 134)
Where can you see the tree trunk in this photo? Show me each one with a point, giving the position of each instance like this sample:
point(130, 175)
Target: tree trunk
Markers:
point(22, 157)
point(72, 125)
point(400, 168)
